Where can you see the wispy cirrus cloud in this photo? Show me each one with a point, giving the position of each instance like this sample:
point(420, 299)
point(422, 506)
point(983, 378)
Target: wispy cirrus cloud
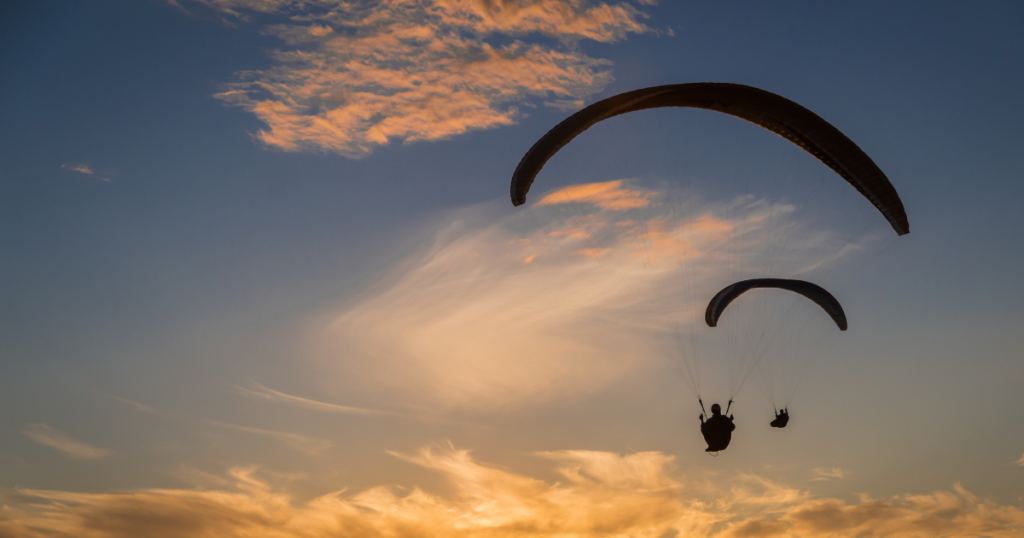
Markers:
point(136, 405)
point(599, 494)
point(264, 393)
point(520, 312)
point(268, 394)
point(430, 337)
point(78, 167)
point(304, 443)
point(357, 75)
point(825, 473)
point(46, 435)
point(83, 169)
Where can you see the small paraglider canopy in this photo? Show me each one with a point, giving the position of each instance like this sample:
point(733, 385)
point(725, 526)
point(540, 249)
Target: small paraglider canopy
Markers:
point(814, 292)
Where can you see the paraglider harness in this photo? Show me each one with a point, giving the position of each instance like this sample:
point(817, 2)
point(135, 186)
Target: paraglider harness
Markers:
point(717, 430)
point(781, 419)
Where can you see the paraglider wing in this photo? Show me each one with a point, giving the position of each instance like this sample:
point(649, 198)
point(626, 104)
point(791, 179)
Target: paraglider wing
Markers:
point(777, 114)
point(813, 292)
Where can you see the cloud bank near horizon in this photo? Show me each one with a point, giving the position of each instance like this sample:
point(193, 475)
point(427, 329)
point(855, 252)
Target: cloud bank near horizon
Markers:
point(599, 493)
point(355, 76)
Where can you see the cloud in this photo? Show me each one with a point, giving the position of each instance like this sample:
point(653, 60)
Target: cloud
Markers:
point(309, 445)
point(78, 167)
point(941, 513)
point(432, 336)
point(265, 393)
point(272, 395)
point(1020, 461)
point(136, 405)
point(354, 76)
point(823, 473)
point(197, 477)
point(606, 195)
point(598, 494)
point(548, 305)
point(45, 435)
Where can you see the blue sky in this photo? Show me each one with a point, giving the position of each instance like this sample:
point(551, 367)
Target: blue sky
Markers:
point(236, 258)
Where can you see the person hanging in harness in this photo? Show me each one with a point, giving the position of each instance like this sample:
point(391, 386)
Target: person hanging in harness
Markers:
point(781, 419)
point(717, 429)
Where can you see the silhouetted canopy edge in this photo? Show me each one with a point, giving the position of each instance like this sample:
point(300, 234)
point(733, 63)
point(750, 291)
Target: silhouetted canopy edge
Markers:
point(773, 112)
point(814, 292)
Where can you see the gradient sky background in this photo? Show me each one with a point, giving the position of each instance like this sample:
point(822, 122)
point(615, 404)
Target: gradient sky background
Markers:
point(234, 259)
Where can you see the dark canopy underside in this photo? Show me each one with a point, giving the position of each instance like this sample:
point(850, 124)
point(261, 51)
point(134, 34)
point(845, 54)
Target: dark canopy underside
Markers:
point(777, 114)
point(813, 292)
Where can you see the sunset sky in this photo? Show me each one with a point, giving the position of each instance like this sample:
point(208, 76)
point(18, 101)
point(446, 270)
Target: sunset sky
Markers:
point(260, 275)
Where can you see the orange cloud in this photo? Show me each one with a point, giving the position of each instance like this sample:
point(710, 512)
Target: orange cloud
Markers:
point(561, 18)
point(574, 18)
point(605, 195)
point(599, 494)
point(708, 225)
point(595, 253)
point(941, 513)
point(571, 233)
point(661, 239)
point(416, 69)
point(657, 243)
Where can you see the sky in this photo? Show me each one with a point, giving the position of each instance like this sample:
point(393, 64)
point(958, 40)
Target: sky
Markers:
point(260, 275)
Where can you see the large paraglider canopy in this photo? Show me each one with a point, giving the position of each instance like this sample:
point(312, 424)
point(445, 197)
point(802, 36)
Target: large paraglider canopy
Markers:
point(814, 292)
point(777, 114)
